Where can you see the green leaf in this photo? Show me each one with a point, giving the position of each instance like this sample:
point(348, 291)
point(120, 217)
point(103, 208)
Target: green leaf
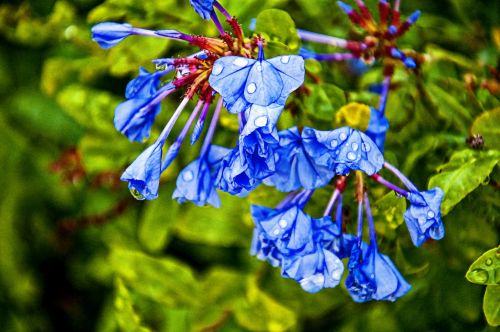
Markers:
point(491, 305)
point(163, 280)
point(465, 171)
point(486, 269)
point(488, 126)
point(157, 221)
point(324, 100)
point(126, 316)
point(208, 225)
point(390, 208)
point(260, 312)
point(449, 107)
point(278, 29)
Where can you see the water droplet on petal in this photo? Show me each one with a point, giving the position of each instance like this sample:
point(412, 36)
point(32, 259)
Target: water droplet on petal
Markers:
point(259, 67)
point(136, 194)
point(285, 59)
point(366, 147)
point(351, 156)
point(276, 231)
point(343, 136)
point(430, 214)
point(355, 146)
point(251, 88)
point(334, 143)
point(240, 62)
point(260, 121)
point(187, 176)
point(488, 262)
point(283, 223)
point(337, 274)
point(217, 69)
point(372, 276)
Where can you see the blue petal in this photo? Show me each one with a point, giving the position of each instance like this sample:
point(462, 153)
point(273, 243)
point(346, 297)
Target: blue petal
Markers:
point(243, 82)
point(143, 175)
point(134, 117)
point(377, 128)
point(264, 249)
point(331, 237)
point(263, 118)
point(203, 7)
point(144, 85)
point(314, 271)
point(289, 228)
point(195, 184)
point(423, 217)
point(233, 176)
point(343, 150)
point(108, 34)
point(295, 167)
point(373, 276)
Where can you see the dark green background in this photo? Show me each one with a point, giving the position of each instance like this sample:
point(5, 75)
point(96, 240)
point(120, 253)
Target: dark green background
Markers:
point(77, 253)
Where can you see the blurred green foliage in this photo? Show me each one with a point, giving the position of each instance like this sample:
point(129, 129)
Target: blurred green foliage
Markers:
point(77, 253)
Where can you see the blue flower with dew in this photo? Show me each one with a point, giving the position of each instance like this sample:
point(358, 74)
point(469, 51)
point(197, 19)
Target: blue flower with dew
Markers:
point(343, 150)
point(243, 82)
point(423, 217)
point(314, 271)
point(295, 167)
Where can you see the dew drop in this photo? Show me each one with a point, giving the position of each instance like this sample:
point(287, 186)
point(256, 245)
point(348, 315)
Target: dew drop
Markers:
point(285, 59)
point(343, 136)
point(366, 147)
point(260, 121)
point(479, 276)
point(217, 69)
point(283, 223)
point(259, 67)
point(251, 88)
point(351, 156)
point(334, 143)
point(240, 62)
point(136, 194)
point(355, 146)
point(372, 276)
point(276, 231)
point(188, 176)
point(488, 262)
point(337, 274)
point(430, 215)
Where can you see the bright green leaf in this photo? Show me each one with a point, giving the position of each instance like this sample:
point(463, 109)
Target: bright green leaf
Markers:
point(486, 269)
point(488, 126)
point(278, 29)
point(491, 305)
point(465, 171)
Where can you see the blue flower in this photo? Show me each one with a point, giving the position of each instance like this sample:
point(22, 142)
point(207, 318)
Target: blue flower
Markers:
point(423, 217)
point(289, 228)
point(373, 276)
point(233, 176)
point(343, 150)
point(196, 183)
point(331, 237)
point(243, 82)
point(314, 271)
point(377, 128)
point(264, 249)
point(134, 117)
point(204, 8)
point(145, 84)
point(108, 34)
point(295, 168)
point(143, 175)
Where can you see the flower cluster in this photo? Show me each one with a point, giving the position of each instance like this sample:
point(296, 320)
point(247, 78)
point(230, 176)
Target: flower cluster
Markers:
point(232, 72)
point(231, 69)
